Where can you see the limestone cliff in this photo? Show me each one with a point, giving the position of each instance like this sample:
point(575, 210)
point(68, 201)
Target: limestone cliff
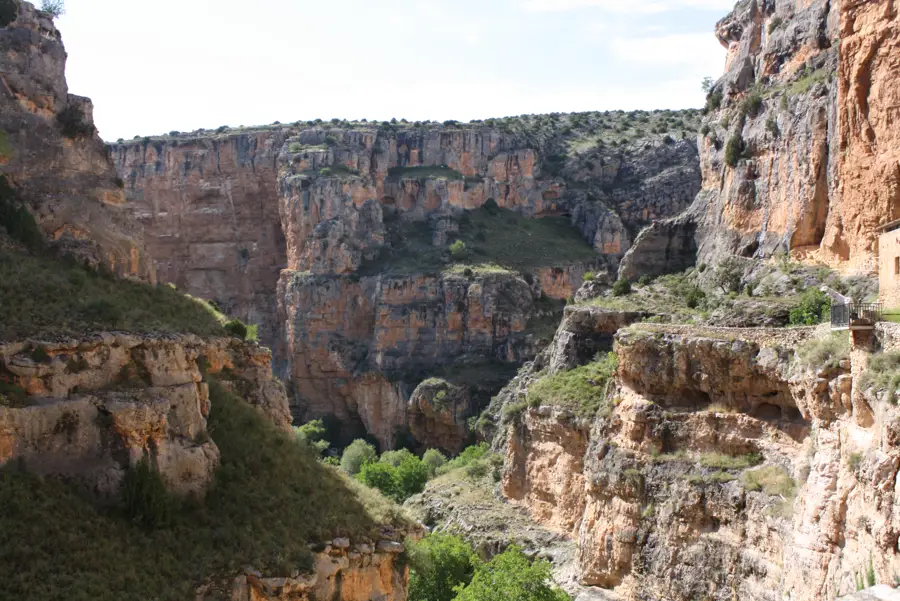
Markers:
point(722, 467)
point(90, 409)
point(798, 147)
point(358, 220)
point(50, 150)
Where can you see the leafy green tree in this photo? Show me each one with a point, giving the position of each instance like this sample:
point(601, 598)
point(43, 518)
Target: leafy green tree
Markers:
point(511, 577)
point(9, 10)
point(381, 476)
point(458, 250)
point(440, 563)
point(56, 8)
point(728, 275)
point(622, 287)
point(411, 477)
point(313, 434)
point(434, 460)
point(814, 307)
point(395, 458)
point(358, 454)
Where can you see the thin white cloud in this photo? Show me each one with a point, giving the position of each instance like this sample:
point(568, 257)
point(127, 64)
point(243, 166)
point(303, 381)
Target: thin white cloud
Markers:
point(632, 7)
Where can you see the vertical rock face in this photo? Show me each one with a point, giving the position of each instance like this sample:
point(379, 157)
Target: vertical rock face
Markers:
point(335, 209)
point(49, 149)
point(211, 223)
point(722, 469)
point(799, 147)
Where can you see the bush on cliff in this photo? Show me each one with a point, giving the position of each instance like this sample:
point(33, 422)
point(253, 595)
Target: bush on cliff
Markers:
point(582, 390)
point(824, 353)
point(622, 287)
point(398, 475)
point(883, 373)
point(16, 220)
point(434, 460)
point(71, 121)
point(734, 149)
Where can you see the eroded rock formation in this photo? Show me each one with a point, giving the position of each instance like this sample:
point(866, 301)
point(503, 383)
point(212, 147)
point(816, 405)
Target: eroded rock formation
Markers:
point(50, 151)
point(662, 492)
point(91, 409)
point(358, 221)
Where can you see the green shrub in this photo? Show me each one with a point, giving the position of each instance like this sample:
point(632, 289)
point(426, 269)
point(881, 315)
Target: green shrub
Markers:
point(412, 475)
point(396, 458)
point(713, 101)
point(814, 307)
point(355, 456)
point(434, 460)
point(733, 150)
point(469, 456)
point(313, 434)
point(775, 23)
point(512, 576)
point(854, 461)
point(582, 390)
point(237, 328)
point(824, 353)
point(589, 276)
point(440, 563)
point(9, 10)
point(772, 126)
point(883, 373)
point(458, 250)
point(752, 103)
point(380, 476)
point(144, 498)
point(645, 280)
point(71, 121)
point(622, 287)
point(771, 479)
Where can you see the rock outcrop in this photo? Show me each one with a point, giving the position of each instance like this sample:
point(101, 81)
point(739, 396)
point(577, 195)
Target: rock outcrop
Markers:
point(50, 151)
point(360, 572)
point(798, 148)
point(91, 409)
point(722, 467)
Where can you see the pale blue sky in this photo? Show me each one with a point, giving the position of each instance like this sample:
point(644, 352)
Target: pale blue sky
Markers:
point(151, 67)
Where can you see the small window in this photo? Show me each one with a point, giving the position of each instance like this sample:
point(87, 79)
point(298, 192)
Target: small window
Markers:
point(896, 265)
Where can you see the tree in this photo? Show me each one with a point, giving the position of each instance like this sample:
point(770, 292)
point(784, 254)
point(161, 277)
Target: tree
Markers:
point(313, 434)
point(433, 460)
point(56, 8)
point(358, 454)
point(458, 250)
point(728, 275)
point(814, 307)
point(511, 577)
point(381, 476)
point(395, 458)
point(440, 563)
point(707, 84)
point(411, 477)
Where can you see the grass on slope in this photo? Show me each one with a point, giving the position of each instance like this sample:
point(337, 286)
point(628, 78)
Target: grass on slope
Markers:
point(496, 241)
point(41, 296)
point(271, 497)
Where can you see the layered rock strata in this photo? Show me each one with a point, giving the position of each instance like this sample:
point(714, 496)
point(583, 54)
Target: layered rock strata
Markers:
point(50, 151)
point(722, 468)
point(330, 208)
point(799, 146)
point(91, 409)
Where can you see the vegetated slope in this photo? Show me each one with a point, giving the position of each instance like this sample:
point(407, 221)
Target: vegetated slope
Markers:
point(47, 295)
point(270, 499)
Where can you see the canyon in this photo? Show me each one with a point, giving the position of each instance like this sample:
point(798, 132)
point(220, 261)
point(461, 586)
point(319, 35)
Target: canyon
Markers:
point(335, 240)
point(428, 285)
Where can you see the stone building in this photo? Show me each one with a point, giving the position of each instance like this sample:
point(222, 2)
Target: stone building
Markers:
point(889, 265)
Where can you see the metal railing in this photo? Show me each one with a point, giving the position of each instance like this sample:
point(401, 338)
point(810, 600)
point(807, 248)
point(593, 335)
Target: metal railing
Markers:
point(855, 315)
